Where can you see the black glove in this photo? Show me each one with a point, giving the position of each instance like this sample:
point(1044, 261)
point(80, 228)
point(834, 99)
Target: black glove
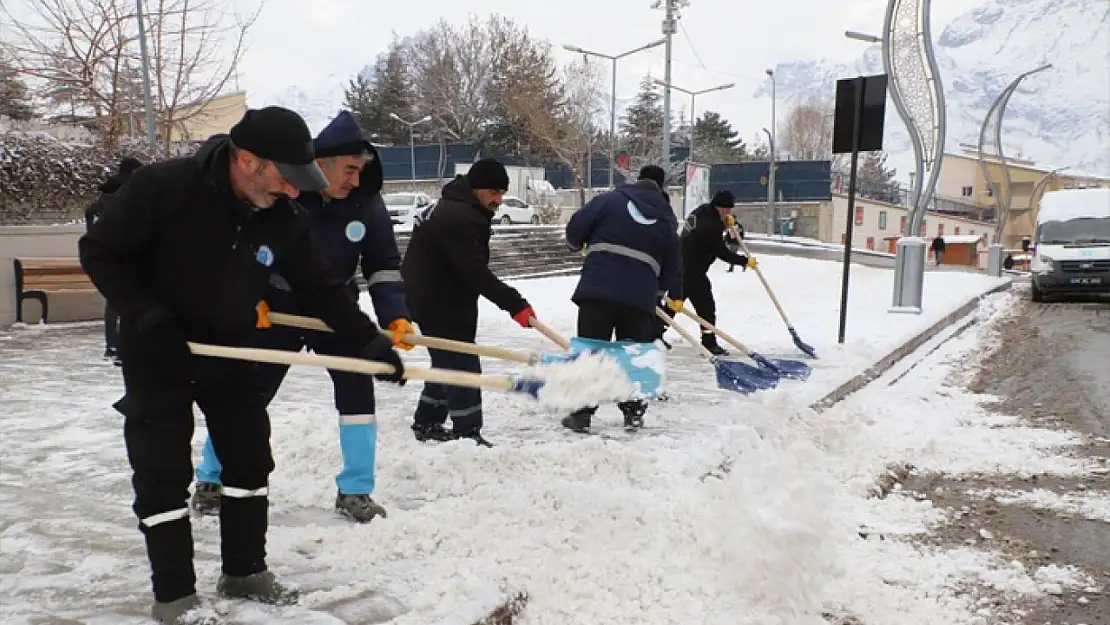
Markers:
point(744, 264)
point(380, 349)
point(160, 344)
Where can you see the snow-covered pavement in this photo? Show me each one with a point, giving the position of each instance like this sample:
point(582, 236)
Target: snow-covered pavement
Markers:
point(643, 528)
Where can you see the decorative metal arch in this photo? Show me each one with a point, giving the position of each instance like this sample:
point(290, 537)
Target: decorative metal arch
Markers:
point(918, 96)
point(990, 137)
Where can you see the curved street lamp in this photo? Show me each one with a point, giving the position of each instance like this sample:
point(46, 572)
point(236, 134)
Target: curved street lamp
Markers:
point(990, 135)
point(1038, 191)
point(918, 95)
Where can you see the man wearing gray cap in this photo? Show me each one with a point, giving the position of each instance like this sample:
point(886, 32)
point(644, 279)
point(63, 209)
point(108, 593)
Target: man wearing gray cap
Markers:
point(185, 250)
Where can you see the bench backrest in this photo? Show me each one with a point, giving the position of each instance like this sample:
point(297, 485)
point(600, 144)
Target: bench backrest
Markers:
point(51, 274)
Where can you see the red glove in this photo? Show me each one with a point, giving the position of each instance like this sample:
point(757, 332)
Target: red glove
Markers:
point(524, 317)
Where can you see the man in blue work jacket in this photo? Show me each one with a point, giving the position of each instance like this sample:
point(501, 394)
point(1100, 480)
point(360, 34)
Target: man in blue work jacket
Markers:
point(352, 226)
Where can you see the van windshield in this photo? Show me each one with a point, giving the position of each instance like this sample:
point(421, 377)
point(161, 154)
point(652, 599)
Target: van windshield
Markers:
point(1075, 231)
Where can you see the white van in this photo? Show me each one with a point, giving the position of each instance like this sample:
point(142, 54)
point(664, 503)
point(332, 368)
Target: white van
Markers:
point(1071, 247)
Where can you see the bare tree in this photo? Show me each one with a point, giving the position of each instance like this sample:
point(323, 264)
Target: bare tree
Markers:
point(568, 134)
point(806, 134)
point(85, 54)
point(195, 49)
point(451, 68)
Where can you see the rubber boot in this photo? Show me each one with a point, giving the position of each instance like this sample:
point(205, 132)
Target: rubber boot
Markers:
point(709, 341)
point(579, 421)
point(262, 587)
point(633, 414)
point(184, 611)
point(206, 499)
point(360, 508)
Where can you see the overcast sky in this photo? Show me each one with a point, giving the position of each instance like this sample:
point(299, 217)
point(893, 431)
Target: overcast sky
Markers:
point(319, 44)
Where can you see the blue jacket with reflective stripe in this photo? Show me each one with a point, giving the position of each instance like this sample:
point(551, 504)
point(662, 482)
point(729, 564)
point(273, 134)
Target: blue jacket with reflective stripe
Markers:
point(631, 238)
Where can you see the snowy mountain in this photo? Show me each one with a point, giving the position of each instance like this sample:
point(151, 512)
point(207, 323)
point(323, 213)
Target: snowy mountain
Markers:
point(1060, 117)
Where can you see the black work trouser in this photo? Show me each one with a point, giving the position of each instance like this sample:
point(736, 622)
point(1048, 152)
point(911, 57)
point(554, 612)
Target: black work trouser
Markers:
point(158, 429)
point(440, 401)
point(699, 290)
point(111, 328)
point(606, 320)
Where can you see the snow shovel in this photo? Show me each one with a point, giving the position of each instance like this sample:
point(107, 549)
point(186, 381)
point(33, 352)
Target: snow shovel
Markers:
point(798, 342)
point(731, 375)
point(792, 369)
point(559, 386)
point(643, 363)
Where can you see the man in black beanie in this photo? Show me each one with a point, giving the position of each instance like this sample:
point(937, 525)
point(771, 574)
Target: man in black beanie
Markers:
point(185, 251)
point(446, 269)
point(656, 174)
point(702, 243)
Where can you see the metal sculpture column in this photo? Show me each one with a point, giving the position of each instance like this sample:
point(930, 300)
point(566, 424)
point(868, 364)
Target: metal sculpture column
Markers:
point(990, 139)
point(918, 96)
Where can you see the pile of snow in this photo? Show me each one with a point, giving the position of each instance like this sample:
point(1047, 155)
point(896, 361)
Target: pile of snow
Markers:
point(588, 380)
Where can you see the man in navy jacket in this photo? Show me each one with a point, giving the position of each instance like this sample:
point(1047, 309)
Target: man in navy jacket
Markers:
point(630, 238)
point(351, 224)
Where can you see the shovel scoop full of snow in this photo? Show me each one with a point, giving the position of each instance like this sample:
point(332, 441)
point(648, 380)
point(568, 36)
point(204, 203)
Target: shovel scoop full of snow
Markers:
point(600, 371)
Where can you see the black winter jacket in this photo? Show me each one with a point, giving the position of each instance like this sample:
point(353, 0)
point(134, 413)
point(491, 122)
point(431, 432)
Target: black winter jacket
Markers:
point(446, 266)
point(703, 242)
point(176, 238)
point(106, 188)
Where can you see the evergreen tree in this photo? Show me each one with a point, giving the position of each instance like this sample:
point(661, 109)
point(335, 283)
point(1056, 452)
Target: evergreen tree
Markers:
point(358, 98)
point(15, 103)
point(641, 126)
point(875, 180)
point(378, 91)
point(716, 142)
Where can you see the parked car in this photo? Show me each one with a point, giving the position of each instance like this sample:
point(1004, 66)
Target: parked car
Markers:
point(403, 207)
point(513, 210)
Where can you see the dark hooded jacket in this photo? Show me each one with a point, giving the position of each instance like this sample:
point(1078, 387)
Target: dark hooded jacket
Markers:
point(703, 242)
point(630, 236)
point(176, 239)
point(355, 231)
point(107, 188)
point(446, 266)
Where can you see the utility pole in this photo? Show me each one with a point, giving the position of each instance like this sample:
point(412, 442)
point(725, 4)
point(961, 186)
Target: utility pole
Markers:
point(670, 27)
point(147, 99)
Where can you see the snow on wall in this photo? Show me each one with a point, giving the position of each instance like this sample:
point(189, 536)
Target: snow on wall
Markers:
point(47, 177)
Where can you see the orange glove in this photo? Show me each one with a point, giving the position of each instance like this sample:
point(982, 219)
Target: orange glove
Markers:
point(263, 310)
point(399, 328)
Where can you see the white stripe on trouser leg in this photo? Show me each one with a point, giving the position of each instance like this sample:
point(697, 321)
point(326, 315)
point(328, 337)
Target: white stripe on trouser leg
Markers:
point(165, 517)
point(244, 493)
point(357, 419)
point(432, 401)
point(465, 412)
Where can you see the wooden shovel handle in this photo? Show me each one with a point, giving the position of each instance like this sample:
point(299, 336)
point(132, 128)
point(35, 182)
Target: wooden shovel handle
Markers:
point(352, 365)
point(551, 334)
point(686, 335)
point(715, 330)
point(462, 347)
point(763, 279)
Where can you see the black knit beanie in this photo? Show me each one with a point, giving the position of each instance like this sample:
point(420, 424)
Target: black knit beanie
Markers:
point(654, 173)
point(488, 173)
point(723, 199)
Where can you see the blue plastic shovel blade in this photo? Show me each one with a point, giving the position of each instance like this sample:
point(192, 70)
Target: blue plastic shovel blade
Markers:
point(792, 369)
point(732, 379)
point(643, 363)
point(548, 359)
point(800, 344)
point(751, 377)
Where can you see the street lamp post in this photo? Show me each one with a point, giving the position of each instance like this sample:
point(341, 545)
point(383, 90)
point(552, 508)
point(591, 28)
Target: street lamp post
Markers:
point(772, 218)
point(147, 99)
point(918, 96)
point(990, 137)
point(412, 141)
point(693, 96)
point(613, 58)
point(1038, 190)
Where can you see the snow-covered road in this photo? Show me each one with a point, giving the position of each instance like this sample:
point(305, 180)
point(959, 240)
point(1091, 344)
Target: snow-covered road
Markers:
point(641, 528)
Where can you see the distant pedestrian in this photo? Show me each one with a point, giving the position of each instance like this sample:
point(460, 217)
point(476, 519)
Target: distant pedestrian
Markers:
point(93, 213)
point(1008, 263)
point(938, 249)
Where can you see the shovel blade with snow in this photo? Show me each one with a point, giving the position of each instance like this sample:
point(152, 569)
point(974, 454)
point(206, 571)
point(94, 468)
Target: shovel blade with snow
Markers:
point(742, 377)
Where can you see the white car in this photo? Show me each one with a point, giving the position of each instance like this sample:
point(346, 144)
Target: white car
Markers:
point(513, 210)
point(403, 207)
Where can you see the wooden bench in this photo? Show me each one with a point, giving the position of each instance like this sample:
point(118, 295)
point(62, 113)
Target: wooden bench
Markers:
point(36, 278)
